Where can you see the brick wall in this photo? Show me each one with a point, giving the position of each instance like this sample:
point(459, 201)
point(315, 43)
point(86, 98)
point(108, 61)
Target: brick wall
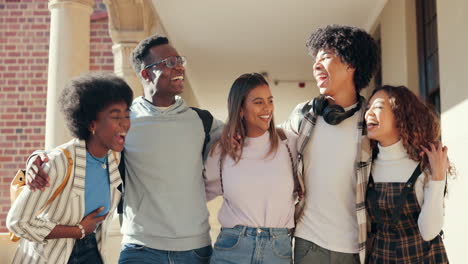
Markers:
point(101, 58)
point(24, 45)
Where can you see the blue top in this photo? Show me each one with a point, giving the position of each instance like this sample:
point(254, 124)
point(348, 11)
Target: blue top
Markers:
point(97, 184)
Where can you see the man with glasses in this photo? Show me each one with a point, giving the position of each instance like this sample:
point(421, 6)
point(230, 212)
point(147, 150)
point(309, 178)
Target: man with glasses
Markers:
point(165, 218)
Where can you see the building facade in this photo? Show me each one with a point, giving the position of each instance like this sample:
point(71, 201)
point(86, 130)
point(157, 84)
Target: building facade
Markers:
point(422, 47)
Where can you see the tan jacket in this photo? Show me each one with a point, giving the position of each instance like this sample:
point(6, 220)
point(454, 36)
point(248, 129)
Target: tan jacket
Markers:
point(66, 209)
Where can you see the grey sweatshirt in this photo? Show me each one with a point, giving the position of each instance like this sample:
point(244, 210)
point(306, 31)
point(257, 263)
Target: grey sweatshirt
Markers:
point(164, 205)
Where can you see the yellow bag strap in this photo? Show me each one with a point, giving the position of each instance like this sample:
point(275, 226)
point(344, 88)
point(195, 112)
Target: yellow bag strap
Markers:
point(115, 158)
point(64, 183)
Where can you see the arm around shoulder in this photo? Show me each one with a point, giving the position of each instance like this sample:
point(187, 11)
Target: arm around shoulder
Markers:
point(22, 219)
point(292, 123)
point(215, 132)
point(212, 175)
point(292, 143)
point(36, 178)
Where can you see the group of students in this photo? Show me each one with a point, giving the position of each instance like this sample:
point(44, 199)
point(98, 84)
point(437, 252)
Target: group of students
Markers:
point(351, 181)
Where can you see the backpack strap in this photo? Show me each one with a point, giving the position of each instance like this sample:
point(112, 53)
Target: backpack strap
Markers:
point(207, 120)
point(115, 158)
point(221, 174)
point(63, 184)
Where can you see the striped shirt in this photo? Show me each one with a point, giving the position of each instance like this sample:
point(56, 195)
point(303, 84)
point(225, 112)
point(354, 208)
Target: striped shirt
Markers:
point(66, 209)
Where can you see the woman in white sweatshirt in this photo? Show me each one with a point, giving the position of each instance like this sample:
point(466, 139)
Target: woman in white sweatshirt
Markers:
point(257, 180)
point(406, 189)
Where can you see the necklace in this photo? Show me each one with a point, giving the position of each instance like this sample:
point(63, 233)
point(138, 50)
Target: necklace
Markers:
point(103, 163)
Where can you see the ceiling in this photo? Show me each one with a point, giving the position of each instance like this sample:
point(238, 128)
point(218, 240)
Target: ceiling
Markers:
point(223, 39)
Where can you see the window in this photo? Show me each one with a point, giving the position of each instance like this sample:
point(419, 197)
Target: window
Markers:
point(428, 52)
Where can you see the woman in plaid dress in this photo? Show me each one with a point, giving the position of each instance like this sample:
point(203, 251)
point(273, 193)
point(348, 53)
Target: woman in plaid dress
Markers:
point(407, 184)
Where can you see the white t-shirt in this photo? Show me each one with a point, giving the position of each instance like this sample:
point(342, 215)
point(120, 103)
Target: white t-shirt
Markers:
point(330, 219)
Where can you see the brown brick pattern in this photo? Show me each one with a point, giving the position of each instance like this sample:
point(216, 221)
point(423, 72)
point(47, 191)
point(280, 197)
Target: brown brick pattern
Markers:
point(101, 57)
point(24, 45)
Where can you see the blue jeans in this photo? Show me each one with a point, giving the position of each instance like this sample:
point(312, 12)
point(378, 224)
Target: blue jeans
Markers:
point(242, 244)
point(85, 251)
point(133, 253)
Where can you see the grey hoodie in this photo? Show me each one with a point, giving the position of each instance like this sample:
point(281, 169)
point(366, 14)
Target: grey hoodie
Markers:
point(164, 205)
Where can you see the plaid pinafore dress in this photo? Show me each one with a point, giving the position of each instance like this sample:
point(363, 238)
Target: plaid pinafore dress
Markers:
point(394, 237)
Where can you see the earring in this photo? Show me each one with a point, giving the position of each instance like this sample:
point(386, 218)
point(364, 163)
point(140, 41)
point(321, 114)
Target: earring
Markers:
point(93, 132)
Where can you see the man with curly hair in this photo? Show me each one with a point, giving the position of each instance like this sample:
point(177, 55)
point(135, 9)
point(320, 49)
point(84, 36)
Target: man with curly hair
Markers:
point(334, 152)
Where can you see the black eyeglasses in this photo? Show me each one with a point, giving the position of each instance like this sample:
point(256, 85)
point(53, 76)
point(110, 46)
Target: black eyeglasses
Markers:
point(170, 62)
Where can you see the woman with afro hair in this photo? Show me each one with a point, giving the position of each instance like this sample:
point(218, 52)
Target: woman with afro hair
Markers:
point(406, 189)
point(71, 228)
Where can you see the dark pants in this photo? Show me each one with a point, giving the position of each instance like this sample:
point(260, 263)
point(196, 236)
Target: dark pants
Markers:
point(309, 252)
point(85, 251)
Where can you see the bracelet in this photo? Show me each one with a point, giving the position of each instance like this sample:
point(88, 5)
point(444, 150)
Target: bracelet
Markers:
point(83, 233)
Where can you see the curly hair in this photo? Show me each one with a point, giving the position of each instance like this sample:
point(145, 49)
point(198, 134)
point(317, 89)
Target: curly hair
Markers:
point(353, 45)
point(142, 49)
point(417, 123)
point(85, 96)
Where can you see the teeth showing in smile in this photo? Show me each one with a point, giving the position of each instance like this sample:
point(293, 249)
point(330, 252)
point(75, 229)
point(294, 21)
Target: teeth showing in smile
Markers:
point(265, 116)
point(121, 137)
point(322, 76)
point(177, 78)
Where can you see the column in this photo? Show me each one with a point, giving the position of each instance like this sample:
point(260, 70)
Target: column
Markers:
point(123, 67)
point(129, 23)
point(68, 57)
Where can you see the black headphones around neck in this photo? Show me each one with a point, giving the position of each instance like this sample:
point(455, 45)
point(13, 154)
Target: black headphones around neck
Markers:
point(333, 114)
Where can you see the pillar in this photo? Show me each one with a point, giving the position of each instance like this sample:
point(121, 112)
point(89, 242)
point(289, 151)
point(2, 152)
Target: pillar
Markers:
point(68, 57)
